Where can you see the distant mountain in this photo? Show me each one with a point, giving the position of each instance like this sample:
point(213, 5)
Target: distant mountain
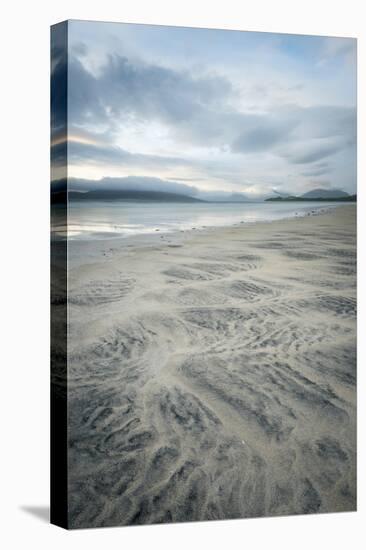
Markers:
point(318, 195)
point(146, 188)
point(349, 198)
point(325, 194)
point(125, 194)
point(287, 198)
point(226, 196)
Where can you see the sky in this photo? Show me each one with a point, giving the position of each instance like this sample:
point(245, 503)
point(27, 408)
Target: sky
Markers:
point(208, 112)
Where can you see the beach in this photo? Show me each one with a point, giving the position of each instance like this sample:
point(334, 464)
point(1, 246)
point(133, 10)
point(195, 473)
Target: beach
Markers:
point(212, 373)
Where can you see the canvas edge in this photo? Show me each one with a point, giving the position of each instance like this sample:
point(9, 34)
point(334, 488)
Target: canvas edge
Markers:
point(58, 272)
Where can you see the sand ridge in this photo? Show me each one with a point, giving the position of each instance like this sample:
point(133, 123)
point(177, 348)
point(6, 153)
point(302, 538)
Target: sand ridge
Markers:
point(214, 377)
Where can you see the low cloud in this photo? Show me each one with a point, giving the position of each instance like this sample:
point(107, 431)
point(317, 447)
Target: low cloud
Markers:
point(112, 155)
point(132, 183)
point(142, 183)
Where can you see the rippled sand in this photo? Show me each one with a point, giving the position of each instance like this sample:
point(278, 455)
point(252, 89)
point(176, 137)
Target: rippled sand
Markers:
point(214, 377)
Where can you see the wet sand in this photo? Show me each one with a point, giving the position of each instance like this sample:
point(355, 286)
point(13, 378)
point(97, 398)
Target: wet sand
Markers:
point(214, 376)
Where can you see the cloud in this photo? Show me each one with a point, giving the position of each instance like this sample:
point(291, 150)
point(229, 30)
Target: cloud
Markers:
point(135, 89)
point(321, 131)
point(86, 101)
point(58, 87)
point(313, 153)
point(79, 49)
point(132, 183)
point(318, 170)
point(262, 133)
point(322, 183)
point(198, 110)
point(108, 155)
point(216, 124)
point(187, 179)
point(141, 183)
point(344, 48)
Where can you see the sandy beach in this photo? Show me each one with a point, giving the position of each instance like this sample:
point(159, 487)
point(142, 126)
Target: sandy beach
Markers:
point(212, 374)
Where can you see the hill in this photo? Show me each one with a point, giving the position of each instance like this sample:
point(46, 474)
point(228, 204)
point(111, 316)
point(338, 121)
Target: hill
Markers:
point(124, 195)
point(318, 195)
point(325, 194)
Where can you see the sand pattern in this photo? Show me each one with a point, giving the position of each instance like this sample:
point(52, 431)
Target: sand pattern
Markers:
point(216, 378)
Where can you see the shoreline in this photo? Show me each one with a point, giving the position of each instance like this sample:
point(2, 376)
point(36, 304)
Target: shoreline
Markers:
point(91, 248)
point(304, 211)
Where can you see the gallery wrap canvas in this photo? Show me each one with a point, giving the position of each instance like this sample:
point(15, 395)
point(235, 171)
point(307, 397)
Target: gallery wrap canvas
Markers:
point(203, 274)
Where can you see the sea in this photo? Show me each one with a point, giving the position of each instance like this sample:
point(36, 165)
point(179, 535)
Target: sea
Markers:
point(101, 220)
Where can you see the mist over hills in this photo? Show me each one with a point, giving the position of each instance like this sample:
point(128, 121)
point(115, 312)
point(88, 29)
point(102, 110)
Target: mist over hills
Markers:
point(130, 194)
point(156, 189)
point(140, 188)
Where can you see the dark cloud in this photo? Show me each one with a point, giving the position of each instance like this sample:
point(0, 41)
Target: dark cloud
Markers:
point(110, 155)
point(86, 153)
point(86, 102)
point(310, 155)
point(132, 183)
point(320, 133)
point(326, 120)
point(262, 133)
point(152, 90)
point(142, 91)
point(79, 49)
point(300, 135)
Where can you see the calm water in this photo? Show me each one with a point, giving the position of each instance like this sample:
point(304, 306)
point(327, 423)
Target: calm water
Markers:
point(123, 219)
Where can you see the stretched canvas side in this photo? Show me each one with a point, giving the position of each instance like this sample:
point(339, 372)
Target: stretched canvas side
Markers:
point(59, 466)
